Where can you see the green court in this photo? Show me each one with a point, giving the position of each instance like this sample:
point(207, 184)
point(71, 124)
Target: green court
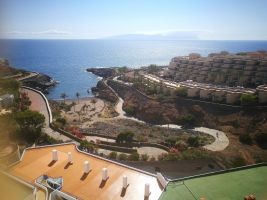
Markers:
point(226, 186)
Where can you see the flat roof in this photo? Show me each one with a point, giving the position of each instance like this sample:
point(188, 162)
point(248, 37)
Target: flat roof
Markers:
point(227, 186)
point(37, 162)
point(11, 189)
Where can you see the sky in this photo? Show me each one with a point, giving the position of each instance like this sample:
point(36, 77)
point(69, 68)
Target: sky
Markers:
point(91, 19)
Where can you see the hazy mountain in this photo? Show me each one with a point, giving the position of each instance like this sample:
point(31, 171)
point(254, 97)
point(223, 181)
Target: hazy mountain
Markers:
point(181, 35)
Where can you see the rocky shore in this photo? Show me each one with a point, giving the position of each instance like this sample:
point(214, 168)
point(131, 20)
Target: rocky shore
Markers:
point(34, 80)
point(40, 82)
point(102, 72)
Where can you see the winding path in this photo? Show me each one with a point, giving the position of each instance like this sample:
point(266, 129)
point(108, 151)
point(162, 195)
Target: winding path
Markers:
point(40, 104)
point(221, 140)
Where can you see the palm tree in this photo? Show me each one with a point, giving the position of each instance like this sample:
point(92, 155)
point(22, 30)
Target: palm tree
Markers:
point(78, 95)
point(63, 96)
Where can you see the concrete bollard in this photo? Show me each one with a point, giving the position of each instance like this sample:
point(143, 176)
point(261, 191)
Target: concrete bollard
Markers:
point(124, 182)
point(86, 167)
point(70, 157)
point(54, 155)
point(104, 174)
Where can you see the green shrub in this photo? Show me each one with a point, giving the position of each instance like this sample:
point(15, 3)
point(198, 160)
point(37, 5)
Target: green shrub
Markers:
point(122, 157)
point(133, 157)
point(193, 141)
point(129, 110)
point(238, 162)
point(87, 145)
point(112, 155)
point(248, 99)
point(245, 138)
point(126, 136)
point(186, 120)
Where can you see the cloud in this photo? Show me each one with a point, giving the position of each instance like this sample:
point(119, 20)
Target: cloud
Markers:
point(45, 32)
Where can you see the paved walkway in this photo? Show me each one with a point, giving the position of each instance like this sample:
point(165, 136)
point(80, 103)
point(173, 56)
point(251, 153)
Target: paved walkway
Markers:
point(221, 140)
point(39, 104)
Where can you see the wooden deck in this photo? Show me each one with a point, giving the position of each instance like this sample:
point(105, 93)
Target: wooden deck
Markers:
point(37, 162)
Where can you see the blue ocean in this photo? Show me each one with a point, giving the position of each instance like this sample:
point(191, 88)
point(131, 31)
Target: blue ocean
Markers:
point(66, 60)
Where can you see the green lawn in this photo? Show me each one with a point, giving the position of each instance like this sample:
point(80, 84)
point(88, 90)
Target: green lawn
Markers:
point(227, 186)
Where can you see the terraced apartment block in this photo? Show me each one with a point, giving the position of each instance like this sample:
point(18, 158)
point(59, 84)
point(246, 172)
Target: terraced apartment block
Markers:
point(220, 77)
point(247, 70)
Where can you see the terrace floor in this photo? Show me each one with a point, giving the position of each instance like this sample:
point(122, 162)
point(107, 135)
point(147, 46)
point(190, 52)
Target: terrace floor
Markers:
point(227, 186)
point(37, 162)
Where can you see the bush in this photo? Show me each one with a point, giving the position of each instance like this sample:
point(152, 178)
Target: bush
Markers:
point(126, 136)
point(261, 139)
point(193, 141)
point(122, 157)
point(245, 138)
point(144, 157)
point(89, 146)
point(181, 92)
point(181, 145)
point(238, 162)
point(61, 120)
point(186, 121)
point(133, 157)
point(248, 99)
point(112, 155)
point(129, 110)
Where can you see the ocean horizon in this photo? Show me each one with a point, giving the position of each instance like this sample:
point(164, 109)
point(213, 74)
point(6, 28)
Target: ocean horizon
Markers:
point(66, 61)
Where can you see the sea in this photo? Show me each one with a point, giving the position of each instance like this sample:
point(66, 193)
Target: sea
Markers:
point(66, 61)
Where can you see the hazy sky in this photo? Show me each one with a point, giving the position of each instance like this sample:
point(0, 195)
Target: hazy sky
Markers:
point(86, 19)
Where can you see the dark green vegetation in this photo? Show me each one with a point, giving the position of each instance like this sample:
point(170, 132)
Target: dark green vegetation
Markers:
point(30, 124)
point(88, 146)
point(21, 124)
point(9, 86)
point(181, 92)
point(248, 99)
point(126, 136)
point(228, 186)
point(186, 120)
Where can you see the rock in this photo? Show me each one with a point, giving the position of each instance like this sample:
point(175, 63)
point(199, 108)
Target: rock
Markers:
point(102, 72)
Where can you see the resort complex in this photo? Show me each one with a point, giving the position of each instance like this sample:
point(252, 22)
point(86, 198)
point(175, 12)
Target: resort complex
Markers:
point(142, 136)
point(220, 77)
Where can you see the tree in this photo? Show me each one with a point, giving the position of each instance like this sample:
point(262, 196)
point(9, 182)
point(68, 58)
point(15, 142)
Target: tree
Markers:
point(63, 96)
point(78, 95)
point(30, 124)
point(248, 99)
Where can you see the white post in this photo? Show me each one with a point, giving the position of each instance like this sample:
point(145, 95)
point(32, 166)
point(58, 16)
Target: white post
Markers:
point(70, 157)
point(104, 174)
point(124, 181)
point(54, 155)
point(86, 167)
point(147, 191)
